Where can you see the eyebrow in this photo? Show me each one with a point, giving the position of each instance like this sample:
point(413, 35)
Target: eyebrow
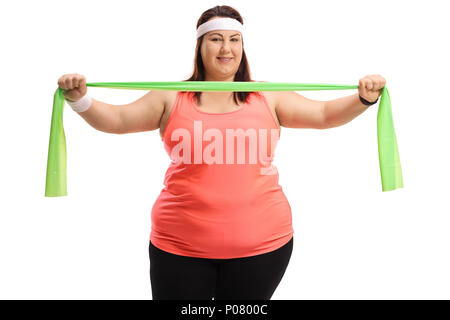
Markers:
point(237, 34)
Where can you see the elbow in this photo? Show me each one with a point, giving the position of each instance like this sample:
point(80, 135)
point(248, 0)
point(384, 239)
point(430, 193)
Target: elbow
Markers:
point(330, 125)
point(110, 130)
point(116, 132)
point(325, 123)
point(116, 125)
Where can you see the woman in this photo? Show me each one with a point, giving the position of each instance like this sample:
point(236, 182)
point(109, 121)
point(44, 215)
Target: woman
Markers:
point(221, 226)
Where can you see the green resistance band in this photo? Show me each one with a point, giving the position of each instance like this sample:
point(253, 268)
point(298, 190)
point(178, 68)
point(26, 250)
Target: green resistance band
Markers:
point(390, 168)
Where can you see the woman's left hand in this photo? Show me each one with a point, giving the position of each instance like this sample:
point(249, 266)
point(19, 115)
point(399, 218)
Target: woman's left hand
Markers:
point(370, 87)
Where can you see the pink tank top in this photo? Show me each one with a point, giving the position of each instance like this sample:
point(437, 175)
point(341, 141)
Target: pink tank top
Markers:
point(221, 198)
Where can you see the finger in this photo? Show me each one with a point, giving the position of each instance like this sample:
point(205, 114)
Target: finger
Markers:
point(75, 82)
point(68, 83)
point(379, 80)
point(71, 82)
point(367, 86)
point(373, 83)
point(367, 83)
point(362, 86)
point(73, 79)
point(83, 81)
point(62, 80)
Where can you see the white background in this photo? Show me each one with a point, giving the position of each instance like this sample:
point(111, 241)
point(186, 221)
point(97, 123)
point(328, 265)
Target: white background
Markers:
point(352, 241)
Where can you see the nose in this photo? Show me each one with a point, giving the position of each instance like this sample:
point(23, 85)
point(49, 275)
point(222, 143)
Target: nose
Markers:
point(224, 51)
point(226, 44)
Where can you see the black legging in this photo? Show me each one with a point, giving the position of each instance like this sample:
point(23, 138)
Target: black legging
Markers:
point(176, 277)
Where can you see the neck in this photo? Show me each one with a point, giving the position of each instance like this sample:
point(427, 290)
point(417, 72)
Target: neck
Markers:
point(209, 77)
point(219, 96)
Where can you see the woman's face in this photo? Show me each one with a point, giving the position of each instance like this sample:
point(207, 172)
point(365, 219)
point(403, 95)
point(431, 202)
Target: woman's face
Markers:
point(221, 43)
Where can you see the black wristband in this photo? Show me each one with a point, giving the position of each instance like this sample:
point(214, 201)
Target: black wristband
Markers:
point(367, 103)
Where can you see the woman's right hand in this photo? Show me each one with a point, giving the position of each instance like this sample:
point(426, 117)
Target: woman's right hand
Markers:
point(74, 84)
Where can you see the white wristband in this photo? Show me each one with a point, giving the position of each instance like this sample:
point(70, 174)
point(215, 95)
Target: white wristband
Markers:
point(81, 105)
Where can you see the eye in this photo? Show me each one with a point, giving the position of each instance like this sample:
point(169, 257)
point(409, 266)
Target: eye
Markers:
point(220, 39)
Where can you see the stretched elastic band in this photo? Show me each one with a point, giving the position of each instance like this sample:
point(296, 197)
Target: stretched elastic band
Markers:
point(389, 160)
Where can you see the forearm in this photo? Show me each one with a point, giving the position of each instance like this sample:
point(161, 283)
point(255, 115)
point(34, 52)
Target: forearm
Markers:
point(102, 116)
point(343, 110)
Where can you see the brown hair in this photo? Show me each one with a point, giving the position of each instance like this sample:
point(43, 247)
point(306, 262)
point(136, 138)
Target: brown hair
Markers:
point(243, 72)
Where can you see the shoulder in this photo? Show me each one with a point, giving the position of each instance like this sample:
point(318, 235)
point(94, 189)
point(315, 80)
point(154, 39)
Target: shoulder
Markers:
point(272, 97)
point(168, 97)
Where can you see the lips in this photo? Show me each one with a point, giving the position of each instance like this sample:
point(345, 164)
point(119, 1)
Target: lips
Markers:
point(224, 60)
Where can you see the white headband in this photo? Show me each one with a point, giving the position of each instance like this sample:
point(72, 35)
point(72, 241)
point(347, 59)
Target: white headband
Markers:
point(220, 24)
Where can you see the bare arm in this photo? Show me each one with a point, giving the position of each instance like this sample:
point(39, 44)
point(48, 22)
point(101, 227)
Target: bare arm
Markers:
point(342, 110)
point(143, 114)
point(102, 116)
point(296, 111)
